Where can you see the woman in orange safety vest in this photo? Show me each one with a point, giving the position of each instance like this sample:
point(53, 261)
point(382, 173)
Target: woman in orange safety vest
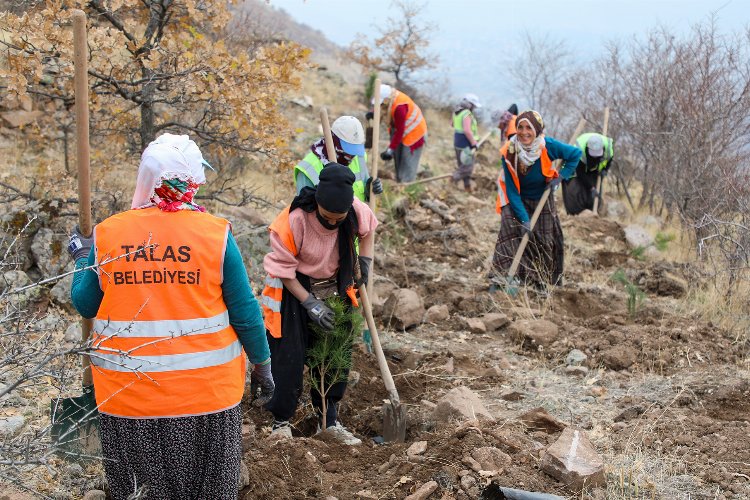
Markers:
point(173, 312)
point(526, 172)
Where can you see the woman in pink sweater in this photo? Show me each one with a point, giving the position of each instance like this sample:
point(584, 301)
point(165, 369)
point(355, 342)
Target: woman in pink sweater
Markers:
point(312, 257)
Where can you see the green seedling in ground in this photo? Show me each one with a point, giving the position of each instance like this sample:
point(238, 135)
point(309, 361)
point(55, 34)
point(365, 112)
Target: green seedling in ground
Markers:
point(635, 294)
point(638, 253)
point(661, 241)
point(414, 192)
point(330, 359)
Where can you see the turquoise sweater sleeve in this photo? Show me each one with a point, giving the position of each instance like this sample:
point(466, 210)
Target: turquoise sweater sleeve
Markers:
point(570, 155)
point(244, 311)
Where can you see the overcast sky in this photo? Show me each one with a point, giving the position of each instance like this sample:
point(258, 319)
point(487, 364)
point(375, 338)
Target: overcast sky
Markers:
point(476, 39)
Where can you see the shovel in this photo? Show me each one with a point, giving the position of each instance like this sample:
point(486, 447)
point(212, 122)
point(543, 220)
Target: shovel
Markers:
point(75, 421)
point(599, 178)
point(511, 285)
point(394, 414)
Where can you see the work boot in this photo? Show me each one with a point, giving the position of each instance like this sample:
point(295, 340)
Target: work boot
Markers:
point(281, 429)
point(341, 434)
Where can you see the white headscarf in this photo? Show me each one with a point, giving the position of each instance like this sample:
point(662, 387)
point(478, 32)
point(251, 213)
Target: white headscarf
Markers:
point(169, 156)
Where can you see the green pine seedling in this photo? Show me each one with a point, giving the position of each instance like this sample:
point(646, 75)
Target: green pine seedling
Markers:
point(635, 294)
point(330, 359)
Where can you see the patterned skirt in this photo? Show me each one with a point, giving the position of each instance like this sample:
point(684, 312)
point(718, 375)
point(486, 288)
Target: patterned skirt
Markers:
point(542, 261)
point(173, 458)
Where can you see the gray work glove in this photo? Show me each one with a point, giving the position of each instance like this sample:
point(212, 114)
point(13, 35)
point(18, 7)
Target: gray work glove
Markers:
point(555, 183)
point(261, 384)
point(319, 312)
point(526, 228)
point(79, 245)
point(365, 264)
point(386, 155)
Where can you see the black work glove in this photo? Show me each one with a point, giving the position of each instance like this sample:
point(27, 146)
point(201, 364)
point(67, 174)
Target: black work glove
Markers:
point(604, 172)
point(79, 245)
point(526, 228)
point(554, 183)
point(594, 192)
point(365, 264)
point(319, 312)
point(369, 115)
point(377, 186)
point(261, 384)
point(386, 155)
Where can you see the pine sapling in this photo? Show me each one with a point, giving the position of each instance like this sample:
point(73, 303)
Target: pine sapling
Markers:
point(330, 358)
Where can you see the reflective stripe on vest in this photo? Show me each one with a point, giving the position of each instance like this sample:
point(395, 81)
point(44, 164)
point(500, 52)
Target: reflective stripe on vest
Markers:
point(415, 126)
point(168, 362)
point(163, 345)
point(311, 166)
point(502, 194)
point(172, 327)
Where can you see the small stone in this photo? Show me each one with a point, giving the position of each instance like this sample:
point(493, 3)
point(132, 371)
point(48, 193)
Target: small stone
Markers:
point(448, 367)
point(619, 357)
point(475, 325)
point(95, 495)
point(630, 413)
point(576, 371)
point(437, 314)
point(512, 396)
point(491, 459)
point(468, 482)
point(11, 425)
point(416, 448)
point(461, 403)
point(367, 494)
point(539, 419)
point(244, 476)
point(73, 333)
point(424, 491)
point(331, 466)
point(75, 470)
point(495, 321)
point(403, 308)
point(354, 377)
point(597, 391)
point(534, 333)
point(575, 358)
point(492, 372)
point(429, 405)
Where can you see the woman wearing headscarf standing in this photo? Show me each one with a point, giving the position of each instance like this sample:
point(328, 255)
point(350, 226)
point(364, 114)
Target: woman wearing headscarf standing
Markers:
point(526, 171)
point(173, 312)
point(312, 258)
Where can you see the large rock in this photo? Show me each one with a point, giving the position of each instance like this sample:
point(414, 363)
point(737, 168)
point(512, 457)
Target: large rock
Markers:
point(619, 357)
point(11, 425)
point(475, 325)
point(18, 279)
point(495, 321)
point(437, 314)
point(534, 333)
point(403, 308)
point(572, 460)
point(49, 251)
point(460, 403)
point(636, 236)
point(575, 358)
point(20, 118)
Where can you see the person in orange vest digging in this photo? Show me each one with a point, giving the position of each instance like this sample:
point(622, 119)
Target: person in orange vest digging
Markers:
point(312, 258)
point(173, 311)
point(526, 171)
point(408, 130)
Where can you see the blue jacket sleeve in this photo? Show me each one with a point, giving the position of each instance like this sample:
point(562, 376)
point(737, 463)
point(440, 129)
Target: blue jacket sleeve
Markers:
point(570, 156)
point(514, 197)
point(244, 311)
point(85, 292)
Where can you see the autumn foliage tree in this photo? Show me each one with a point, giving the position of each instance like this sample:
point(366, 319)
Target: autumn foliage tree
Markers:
point(401, 48)
point(154, 66)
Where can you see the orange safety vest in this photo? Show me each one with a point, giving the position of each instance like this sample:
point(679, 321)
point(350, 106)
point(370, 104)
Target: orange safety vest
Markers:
point(510, 130)
point(502, 195)
point(270, 300)
point(415, 127)
point(163, 343)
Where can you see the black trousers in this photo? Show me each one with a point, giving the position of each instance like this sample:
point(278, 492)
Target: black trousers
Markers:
point(288, 356)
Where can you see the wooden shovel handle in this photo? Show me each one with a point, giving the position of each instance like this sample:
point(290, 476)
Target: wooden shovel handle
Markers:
point(385, 372)
point(81, 87)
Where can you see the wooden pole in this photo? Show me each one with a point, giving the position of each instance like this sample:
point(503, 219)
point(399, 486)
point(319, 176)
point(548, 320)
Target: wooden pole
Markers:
point(599, 178)
point(374, 169)
point(81, 86)
point(535, 216)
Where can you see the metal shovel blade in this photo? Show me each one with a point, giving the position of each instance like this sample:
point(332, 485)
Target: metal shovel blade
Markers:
point(75, 426)
point(394, 422)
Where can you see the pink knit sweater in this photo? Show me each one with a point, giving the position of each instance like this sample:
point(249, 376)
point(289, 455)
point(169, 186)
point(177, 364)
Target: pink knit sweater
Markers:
point(318, 255)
